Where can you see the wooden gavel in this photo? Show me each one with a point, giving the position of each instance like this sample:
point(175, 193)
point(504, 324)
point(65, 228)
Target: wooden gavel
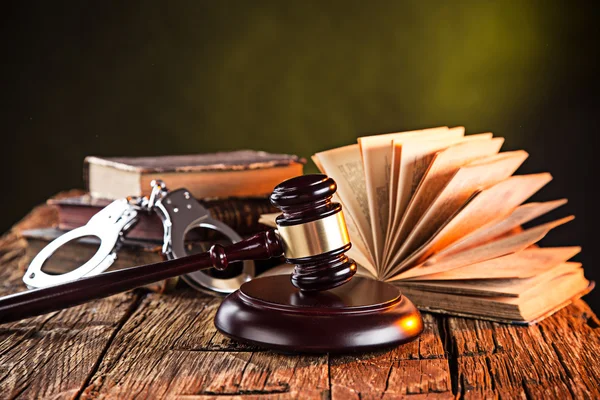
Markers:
point(311, 234)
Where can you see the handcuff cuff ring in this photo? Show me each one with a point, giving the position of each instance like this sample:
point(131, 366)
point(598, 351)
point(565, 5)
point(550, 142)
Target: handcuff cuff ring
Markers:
point(179, 213)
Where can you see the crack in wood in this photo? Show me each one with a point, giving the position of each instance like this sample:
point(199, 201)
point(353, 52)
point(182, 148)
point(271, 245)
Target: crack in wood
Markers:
point(488, 363)
point(139, 296)
point(387, 379)
point(244, 392)
point(592, 321)
point(20, 392)
point(329, 396)
point(450, 352)
point(497, 346)
point(244, 370)
point(123, 349)
point(526, 390)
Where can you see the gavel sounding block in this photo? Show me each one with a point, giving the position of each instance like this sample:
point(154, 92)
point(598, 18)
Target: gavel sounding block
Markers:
point(363, 314)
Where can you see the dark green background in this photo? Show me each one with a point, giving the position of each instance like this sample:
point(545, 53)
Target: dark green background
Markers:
point(149, 78)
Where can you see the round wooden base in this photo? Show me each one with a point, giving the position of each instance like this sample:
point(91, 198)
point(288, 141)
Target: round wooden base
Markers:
point(363, 314)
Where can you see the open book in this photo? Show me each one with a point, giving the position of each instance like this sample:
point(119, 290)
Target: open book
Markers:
point(440, 214)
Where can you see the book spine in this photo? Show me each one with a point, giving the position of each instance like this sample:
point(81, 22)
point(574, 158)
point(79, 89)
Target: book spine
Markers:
point(86, 174)
point(240, 214)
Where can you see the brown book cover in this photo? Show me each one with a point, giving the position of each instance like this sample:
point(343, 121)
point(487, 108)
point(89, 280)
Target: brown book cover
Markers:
point(242, 173)
point(240, 214)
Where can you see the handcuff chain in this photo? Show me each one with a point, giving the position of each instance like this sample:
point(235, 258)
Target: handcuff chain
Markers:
point(159, 190)
point(148, 203)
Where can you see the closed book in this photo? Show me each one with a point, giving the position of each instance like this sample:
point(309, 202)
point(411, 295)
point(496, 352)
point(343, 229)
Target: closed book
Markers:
point(243, 173)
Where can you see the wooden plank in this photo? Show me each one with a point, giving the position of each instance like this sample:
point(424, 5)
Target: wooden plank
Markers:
point(557, 357)
point(53, 355)
point(574, 335)
point(170, 346)
point(150, 345)
point(416, 368)
point(12, 250)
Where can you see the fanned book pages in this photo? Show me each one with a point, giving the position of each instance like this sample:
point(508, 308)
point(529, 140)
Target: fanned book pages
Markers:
point(440, 214)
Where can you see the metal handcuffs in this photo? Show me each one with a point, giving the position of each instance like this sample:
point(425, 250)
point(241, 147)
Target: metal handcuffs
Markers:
point(179, 213)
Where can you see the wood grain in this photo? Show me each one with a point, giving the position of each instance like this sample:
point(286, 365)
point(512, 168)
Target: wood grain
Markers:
point(418, 367)
point(148, 345)
point(556, 358)
point(54, 354)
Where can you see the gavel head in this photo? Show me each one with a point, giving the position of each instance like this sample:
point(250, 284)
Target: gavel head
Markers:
point(313, 232)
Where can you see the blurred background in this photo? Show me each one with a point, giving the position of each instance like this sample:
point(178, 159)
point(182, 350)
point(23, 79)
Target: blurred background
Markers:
point(147, 78)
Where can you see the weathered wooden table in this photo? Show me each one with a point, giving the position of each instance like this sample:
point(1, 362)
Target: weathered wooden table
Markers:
point(146, 345)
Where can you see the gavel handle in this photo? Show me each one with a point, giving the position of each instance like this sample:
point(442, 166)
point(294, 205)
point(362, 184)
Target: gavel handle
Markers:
point(41, 301)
